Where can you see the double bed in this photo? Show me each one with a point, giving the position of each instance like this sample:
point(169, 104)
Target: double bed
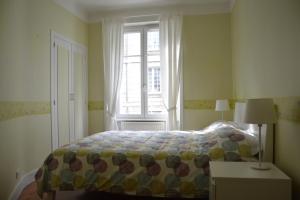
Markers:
point(172, 164)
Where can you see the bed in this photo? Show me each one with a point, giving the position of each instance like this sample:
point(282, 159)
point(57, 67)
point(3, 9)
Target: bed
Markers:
point(171, 164)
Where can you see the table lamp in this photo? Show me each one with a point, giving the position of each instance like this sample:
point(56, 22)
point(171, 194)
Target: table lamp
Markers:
point(222, 105)
point(259, 111)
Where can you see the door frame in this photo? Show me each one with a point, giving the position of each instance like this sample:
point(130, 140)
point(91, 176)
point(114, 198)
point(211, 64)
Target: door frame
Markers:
point(56, 40)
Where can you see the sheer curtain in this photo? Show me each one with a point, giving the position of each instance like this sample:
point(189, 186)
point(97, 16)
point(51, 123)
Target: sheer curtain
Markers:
point(113, 48)
point(171, 62)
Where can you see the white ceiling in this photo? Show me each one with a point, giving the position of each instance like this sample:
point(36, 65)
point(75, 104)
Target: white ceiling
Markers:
point(93, 10)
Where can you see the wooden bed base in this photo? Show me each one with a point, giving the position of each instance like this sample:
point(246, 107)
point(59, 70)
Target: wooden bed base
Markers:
point(109, 196)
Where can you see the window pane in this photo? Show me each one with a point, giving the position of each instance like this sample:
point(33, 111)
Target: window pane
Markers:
point(150, 79)
point(130, 91)
point(132, 43)
point(131, 94)
point(153, 58)
point(153, 40)
point(157, 79)
point(155, 105)
point(131, 59)
point(153, 64)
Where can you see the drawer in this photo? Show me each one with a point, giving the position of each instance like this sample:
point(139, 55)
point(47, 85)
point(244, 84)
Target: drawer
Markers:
point(249, 189)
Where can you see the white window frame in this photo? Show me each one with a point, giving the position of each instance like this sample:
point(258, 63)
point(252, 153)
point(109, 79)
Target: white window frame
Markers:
point(144, 116)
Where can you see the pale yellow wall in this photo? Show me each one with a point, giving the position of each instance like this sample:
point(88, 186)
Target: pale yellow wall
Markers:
point(207, 68)
point(96, 78)
point(25, 34)
point(25, 143)
point(25, 78)
point(266, 52)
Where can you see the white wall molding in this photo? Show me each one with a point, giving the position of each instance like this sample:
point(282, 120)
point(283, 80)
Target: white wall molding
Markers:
point(74, 9)
point(193, 9)
point(202, 9)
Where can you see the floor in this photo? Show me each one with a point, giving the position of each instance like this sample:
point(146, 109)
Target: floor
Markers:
point(29, 193)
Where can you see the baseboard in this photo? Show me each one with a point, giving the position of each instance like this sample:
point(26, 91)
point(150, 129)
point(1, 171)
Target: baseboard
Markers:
point(22, 183)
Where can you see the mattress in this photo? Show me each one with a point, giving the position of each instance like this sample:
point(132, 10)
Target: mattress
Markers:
point(145, 163)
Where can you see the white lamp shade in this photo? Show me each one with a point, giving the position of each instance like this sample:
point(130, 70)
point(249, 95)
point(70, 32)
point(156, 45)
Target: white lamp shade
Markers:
point(239, 112)
point(222, 105)
point(259, 111)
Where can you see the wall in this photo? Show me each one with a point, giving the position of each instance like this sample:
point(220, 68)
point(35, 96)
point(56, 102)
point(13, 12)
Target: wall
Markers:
point(266, 49)
point(206, 69)
point(25, 82)
point(96, 79)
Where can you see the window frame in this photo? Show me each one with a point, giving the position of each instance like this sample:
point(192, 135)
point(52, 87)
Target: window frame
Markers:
point(144, 116)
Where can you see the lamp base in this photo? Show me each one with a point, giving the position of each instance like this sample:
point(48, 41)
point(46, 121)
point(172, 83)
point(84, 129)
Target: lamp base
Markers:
point(261, 166)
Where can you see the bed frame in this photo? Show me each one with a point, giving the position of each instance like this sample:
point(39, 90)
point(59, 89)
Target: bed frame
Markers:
point(98, 195)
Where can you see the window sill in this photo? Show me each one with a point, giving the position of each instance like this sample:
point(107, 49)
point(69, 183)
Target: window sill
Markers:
point(141, 120)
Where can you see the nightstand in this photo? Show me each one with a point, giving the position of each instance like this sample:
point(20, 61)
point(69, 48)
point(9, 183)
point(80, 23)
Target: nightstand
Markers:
point(237, 180)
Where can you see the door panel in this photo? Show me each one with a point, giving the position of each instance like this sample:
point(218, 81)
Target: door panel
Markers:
point(68, 91)
point(63, 95)
point(79, 79)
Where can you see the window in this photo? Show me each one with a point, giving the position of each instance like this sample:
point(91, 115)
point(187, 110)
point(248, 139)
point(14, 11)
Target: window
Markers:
point(140, 91)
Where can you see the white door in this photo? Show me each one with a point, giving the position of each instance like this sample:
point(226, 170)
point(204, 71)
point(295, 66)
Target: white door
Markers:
point(63, 115)
point(80, 91)
point(68, 91)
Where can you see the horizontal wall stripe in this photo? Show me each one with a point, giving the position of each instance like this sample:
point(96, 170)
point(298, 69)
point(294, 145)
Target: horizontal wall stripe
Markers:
point(204, 104)
point(288, 108)
point(96, 105)
point(14, 109)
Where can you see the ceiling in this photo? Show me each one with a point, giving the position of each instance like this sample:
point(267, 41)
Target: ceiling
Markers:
point(93, 10)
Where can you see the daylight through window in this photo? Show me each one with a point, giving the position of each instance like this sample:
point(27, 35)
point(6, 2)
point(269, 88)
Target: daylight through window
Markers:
point(140, 92)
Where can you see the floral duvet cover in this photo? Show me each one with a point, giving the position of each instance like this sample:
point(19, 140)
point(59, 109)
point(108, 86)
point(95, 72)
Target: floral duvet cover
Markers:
point(146, 163)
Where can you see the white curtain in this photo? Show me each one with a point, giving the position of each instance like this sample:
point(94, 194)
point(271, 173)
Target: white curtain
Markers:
point(171, 62)
point(113, 47)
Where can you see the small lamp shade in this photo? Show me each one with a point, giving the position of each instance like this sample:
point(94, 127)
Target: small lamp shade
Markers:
point(222, 105)
point(259, 111)
point(239, 112)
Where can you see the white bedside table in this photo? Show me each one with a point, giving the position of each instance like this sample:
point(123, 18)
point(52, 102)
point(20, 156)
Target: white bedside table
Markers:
point(238, 181)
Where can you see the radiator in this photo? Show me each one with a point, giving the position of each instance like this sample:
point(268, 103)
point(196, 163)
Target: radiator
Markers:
point(143, 125)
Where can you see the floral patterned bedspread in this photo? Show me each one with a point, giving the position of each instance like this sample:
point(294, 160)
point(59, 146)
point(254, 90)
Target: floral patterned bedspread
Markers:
point(172, 164)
